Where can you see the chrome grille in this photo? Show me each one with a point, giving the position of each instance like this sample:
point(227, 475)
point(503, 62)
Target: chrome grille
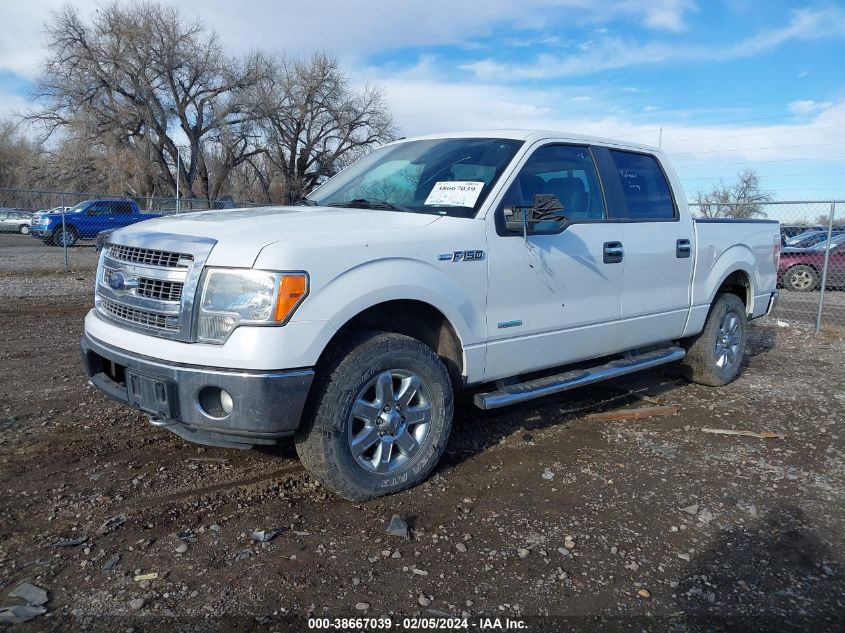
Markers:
point(150, 257)
point(144, 318)
point(160, 289)
point(154, 288)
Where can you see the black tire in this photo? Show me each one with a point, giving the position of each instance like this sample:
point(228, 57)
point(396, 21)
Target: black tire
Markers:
point(345, 377)
point(801, 278)
point(23, 229)
point(69, 240)
point(714, 357)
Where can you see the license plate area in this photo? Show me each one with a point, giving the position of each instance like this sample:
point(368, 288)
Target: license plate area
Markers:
point(151, 394)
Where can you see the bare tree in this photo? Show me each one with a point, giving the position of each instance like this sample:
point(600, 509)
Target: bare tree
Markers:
point(314, 123)
point(144, 79)
point(742, 199)
point(16, 152)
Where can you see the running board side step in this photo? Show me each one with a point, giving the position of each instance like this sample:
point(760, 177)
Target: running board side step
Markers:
point(530, 389)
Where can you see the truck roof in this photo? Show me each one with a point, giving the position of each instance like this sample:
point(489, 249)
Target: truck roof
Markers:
point(537, 135)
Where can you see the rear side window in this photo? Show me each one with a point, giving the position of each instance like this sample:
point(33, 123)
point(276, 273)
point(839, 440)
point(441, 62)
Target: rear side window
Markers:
point(645, 190)
point(122, 208)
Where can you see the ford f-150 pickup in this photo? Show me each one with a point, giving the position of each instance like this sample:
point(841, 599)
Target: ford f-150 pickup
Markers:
point(86, 220)
point(521, 264)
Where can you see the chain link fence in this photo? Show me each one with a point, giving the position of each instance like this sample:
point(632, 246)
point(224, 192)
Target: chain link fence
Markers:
point(811, 273)
point(51, 231)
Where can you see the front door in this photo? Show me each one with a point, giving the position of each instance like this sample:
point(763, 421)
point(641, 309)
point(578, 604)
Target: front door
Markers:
point(555, 296)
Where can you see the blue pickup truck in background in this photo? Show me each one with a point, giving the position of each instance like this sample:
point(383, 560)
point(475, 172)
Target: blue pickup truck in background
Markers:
point(86, 220)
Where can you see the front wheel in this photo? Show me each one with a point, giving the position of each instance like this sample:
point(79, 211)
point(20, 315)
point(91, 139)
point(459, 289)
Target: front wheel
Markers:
point(379, 417)
point(714, 357)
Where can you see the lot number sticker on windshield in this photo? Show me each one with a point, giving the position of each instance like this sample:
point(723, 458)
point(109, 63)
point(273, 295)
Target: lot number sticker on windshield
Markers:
point(454, 193)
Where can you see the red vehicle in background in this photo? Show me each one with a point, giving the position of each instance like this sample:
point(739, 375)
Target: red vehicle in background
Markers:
point(800, 269)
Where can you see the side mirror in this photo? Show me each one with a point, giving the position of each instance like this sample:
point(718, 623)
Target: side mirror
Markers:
point(546, 208)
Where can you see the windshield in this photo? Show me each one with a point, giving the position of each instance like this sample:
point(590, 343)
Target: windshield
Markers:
point(75, 209)
point(441, 176)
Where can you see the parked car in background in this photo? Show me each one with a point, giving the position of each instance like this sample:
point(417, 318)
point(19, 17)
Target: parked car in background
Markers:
point(809, 238)
point(800, 270)
point(788, 231)
point(15, 221)
point(38, 214)
point(87, 219)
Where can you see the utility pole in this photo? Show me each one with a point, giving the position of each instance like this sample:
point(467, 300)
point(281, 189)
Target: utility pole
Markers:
point(178, 167)
point(660, 138)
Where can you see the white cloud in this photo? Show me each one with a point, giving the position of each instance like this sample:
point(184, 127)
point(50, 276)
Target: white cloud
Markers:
point(615, 52)
point(667, 14)
point(581, 98)
point(808, 106)
point(428, 104)
point(351, 29)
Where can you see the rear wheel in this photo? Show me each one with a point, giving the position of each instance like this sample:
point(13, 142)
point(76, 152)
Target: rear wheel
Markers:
point(24, 229)
point(379, 418)
point(801, 278)
point(714, 357)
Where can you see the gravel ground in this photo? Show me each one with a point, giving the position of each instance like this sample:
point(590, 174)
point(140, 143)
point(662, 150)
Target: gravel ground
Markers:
point(28, 256)
point(535, 510)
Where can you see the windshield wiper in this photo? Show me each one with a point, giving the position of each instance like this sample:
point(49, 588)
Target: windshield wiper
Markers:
point(305, 202)
point(371, 203)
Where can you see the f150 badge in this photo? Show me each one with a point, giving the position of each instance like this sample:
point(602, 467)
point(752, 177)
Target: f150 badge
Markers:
point(462, 256)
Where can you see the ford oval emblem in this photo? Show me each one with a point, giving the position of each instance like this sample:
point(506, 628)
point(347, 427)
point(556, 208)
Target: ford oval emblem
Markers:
point(117, 281)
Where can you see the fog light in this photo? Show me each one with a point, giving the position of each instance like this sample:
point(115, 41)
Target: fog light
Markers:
point(226, 401)
point(215, 402)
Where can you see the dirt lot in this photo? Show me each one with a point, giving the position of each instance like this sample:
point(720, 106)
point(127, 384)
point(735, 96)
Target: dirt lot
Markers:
point(721, 532)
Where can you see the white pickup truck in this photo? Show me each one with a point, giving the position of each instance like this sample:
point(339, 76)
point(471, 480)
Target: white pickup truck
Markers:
point(495, 260)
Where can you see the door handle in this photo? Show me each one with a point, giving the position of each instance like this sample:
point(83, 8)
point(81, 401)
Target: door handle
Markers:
point(683, 248)
point(613, 252)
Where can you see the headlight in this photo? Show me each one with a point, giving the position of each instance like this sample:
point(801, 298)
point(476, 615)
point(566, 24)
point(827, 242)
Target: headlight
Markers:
point(230, 298)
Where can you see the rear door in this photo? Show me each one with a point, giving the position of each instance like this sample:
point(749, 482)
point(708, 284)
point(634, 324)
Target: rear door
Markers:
point(658, 243)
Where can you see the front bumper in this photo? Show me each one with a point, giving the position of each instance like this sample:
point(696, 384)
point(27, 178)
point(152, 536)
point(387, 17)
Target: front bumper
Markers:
point(265, 405)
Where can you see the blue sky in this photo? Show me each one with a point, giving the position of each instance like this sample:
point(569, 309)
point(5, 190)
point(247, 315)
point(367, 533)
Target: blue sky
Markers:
point(733, 84)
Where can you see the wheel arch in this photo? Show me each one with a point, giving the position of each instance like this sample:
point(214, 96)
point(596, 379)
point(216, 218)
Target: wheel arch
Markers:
point(737, 282)
point(414, 318)
point(734, 270)
point(409, 297)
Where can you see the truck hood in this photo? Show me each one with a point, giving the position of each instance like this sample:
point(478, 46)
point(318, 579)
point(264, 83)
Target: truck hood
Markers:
point(241, 234)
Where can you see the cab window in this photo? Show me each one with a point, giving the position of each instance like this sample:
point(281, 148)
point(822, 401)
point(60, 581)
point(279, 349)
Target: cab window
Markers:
point(568, 172)
point(645, 190)
point(122, 208)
